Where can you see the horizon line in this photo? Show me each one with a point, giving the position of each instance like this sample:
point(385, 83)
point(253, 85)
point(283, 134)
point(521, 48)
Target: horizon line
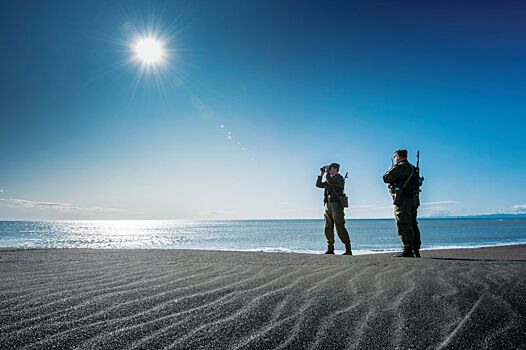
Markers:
point(442, 217)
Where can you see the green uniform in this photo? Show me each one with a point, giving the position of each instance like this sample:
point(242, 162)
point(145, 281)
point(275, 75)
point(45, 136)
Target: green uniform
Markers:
point(407, 210)
point(334, 214)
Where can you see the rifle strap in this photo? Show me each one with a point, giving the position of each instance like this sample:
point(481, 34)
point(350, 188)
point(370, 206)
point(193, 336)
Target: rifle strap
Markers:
point(410, 176)
point(333, 189)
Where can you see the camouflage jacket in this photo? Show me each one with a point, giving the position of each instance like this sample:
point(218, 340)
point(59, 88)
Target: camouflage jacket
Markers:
point(399, 173)
point(337, 182)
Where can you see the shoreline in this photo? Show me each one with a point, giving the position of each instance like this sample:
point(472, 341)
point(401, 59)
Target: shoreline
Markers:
point(277, 251)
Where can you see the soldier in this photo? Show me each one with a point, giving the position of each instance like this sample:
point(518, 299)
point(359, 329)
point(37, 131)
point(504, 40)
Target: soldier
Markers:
point(334, 215)
point(403, 180)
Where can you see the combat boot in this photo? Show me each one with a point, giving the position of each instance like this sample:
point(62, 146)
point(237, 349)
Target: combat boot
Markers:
point(406, 253)
point(417, 253)
point(330, 249)
point(347, 250)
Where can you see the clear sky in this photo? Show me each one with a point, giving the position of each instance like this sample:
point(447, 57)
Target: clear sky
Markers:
point(251, 99)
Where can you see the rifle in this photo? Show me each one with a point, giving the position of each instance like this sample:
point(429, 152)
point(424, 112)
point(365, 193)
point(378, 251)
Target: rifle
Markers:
point(420, 178)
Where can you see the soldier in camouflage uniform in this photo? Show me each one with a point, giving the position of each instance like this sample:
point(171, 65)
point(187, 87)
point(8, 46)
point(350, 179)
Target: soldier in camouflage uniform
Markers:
point(406, 207)
point(334, 215)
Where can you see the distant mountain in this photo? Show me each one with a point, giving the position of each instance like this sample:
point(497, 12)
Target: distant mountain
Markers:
point(480, 216)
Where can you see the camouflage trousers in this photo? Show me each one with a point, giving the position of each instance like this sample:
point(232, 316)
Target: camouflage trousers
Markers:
point(406, 223)
point(335, 216)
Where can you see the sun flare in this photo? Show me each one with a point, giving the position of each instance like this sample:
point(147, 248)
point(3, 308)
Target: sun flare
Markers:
point(149, 50)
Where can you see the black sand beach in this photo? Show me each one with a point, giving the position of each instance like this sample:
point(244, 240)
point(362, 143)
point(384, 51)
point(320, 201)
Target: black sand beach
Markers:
point(175, 299)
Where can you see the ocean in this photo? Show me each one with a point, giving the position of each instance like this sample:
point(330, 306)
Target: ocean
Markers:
point(301, 236)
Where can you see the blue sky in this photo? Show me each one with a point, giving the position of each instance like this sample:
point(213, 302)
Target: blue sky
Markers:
point(253, 98)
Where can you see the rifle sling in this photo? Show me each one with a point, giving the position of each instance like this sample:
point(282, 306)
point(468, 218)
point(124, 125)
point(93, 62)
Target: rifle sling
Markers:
point(409, 178)
point(333, 190)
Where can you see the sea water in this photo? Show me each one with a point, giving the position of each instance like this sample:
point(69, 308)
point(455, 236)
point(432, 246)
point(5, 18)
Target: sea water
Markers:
point(302, 236)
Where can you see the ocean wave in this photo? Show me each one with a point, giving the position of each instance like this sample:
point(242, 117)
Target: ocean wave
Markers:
point(359, 251)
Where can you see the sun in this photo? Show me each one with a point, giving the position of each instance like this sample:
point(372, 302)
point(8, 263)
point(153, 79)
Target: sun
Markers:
point(152, 53)
point(149, 51)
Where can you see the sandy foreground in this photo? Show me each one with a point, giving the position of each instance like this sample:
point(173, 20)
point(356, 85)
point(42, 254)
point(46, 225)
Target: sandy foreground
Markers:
point(181, 299)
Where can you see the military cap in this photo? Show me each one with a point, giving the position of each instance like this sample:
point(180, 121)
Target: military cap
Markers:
point(334, 165)
point(402, 153)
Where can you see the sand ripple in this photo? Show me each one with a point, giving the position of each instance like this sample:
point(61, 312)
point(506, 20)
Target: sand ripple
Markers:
point(133, 299)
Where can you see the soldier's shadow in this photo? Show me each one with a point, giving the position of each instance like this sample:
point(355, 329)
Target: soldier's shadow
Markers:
point(472, 259)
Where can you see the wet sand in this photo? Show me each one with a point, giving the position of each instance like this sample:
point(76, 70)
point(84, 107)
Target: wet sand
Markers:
point(180, 299)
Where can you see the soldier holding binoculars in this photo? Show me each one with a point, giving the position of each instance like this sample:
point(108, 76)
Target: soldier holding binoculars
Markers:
point(334, 200)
